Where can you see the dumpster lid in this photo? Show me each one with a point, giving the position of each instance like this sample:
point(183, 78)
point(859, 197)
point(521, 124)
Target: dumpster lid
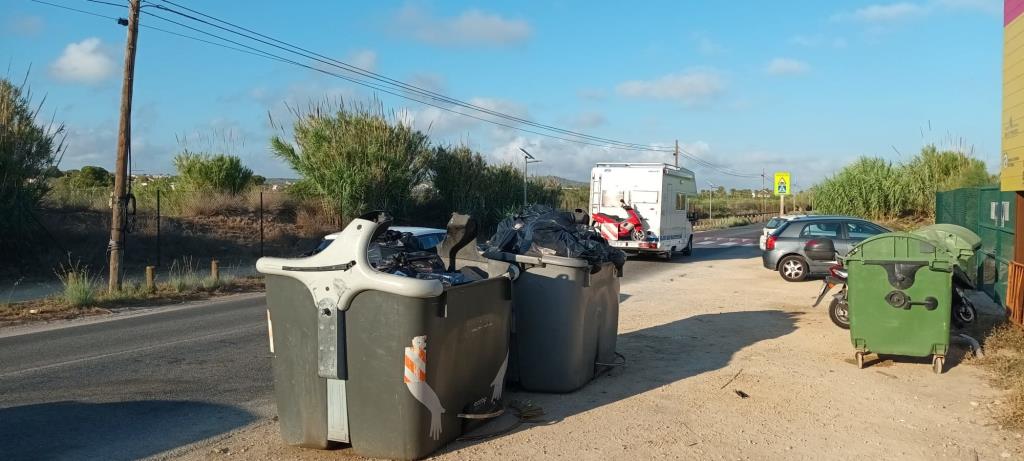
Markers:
point(953, 236)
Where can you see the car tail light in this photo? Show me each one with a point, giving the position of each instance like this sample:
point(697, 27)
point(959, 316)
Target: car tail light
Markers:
point(770, 243)
point(834, 268)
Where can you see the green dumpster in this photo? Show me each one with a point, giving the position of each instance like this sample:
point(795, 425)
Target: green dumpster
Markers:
point(900, 290)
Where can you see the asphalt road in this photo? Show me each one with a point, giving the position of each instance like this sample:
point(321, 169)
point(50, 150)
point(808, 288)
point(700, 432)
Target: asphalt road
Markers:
point(733, 243)
point(137, 386)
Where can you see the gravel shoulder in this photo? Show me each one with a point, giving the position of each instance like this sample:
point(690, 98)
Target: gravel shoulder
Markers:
point(696, 333)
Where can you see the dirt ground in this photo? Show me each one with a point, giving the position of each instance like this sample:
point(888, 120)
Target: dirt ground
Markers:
point(694, 335)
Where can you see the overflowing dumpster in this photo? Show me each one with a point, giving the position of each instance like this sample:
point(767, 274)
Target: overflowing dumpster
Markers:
point(901, 289)
point(565, 300)
point(394, 364)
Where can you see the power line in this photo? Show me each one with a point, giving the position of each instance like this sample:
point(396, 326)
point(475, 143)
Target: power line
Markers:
point(385, 90)
point(160, 29)
point(75, 9)
point(428, 93)
point(378, 77)
point(392, 84)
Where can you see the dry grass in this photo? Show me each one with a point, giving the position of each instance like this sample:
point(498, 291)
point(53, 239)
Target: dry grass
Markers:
point(80, 287)
point(133, 295)
point(907, 223)
point(1004, 359)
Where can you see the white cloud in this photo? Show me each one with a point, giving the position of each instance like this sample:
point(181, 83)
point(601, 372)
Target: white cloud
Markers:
point(691, 87)
point(501, 105)
point(587, 120)
point(565, 159)
point(814, 41)
point(471, 27)
point(445, 124)
point(364, 59)
point(883, 13)
point(429, 81)
point(592, 94)
point(25, 25)
point(84, 62)
point(707, 46)
point(786, 66)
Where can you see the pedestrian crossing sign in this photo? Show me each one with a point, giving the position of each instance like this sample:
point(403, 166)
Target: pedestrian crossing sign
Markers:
point(783, 186)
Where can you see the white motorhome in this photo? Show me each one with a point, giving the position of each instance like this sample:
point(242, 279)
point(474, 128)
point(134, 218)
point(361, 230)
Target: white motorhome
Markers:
point(661, 194)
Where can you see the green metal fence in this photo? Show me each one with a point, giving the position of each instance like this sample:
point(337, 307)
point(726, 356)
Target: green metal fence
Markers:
point(989, 213)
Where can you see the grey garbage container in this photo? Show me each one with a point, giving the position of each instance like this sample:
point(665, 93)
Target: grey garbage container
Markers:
point(566, 318)
point(394, 366)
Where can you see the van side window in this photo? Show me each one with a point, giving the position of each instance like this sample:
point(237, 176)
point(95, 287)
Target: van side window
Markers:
point(611, 197)
point(644, 196)
point(680, 201)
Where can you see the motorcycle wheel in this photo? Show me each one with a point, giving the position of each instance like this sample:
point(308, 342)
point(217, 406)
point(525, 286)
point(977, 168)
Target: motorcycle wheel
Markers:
point(965, 313)
point(839, 312)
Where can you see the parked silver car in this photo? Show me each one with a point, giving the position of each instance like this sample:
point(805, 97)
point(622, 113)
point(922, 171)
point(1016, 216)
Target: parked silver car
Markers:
point(773, 224)
point(784, 248)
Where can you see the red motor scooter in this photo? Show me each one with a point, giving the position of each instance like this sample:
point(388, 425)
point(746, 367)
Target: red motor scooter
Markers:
point(616, 228)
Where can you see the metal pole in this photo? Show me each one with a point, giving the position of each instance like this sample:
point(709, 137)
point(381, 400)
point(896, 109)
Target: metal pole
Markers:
point(123, 144)
point(526, 164)
point(261, 223)
point(677, 153)
point(158, 227)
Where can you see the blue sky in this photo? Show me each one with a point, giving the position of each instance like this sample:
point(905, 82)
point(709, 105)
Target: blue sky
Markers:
point(805, 86)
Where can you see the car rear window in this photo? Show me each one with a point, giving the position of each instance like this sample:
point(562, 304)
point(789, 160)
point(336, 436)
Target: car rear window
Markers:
point(821, 229)
point(773, 223)
point(858, 230)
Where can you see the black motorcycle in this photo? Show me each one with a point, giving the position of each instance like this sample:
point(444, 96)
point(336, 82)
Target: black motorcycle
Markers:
point(838, 308)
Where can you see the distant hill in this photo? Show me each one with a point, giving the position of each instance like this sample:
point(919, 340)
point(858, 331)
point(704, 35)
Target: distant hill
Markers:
point(562, 181)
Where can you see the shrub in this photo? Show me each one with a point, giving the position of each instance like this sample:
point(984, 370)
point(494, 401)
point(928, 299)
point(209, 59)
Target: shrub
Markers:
point(203, 172)
point(877, 189)
point(355, 159)
point(28, 151)
point(89, 177)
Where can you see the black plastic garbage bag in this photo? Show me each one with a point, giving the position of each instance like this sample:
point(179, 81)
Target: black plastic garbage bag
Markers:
point(540, 230)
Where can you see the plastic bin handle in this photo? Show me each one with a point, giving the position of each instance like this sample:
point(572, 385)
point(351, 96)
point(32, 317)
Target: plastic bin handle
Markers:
point(341, 271)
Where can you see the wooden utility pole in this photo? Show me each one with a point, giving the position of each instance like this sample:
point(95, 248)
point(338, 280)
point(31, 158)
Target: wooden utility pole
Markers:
point(764, 199)
point(677, 153)
point(124, 137)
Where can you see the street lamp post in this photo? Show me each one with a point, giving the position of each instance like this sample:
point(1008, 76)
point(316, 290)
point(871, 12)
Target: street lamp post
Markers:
point(527, 160)
point(710, 191)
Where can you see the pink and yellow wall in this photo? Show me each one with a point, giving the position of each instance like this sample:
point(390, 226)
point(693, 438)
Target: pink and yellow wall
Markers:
point(1012, 168)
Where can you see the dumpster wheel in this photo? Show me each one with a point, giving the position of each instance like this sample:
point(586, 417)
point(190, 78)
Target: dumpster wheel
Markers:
point(937, 364)
point(860, 359)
